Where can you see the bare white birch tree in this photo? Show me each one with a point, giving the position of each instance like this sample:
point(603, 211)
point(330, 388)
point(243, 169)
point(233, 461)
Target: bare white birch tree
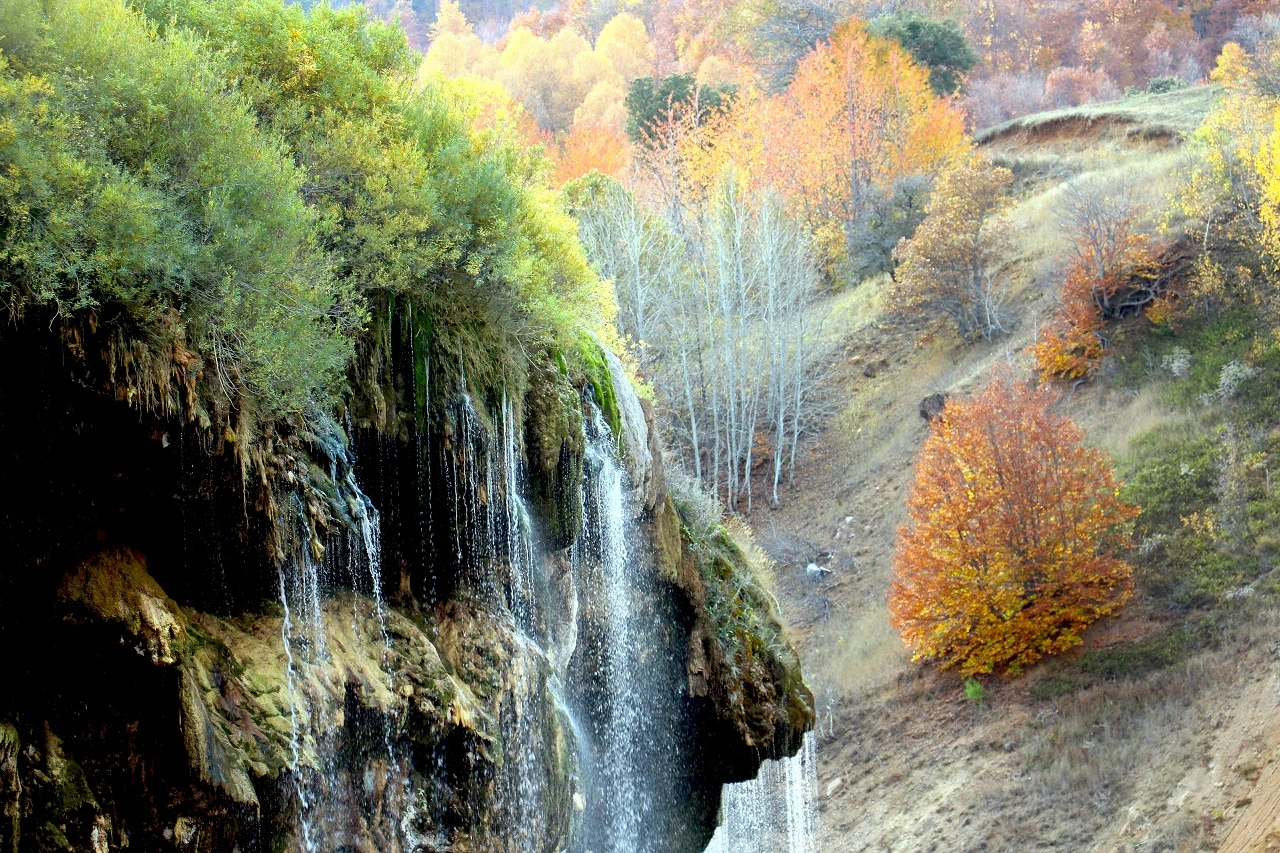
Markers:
point(720, 302)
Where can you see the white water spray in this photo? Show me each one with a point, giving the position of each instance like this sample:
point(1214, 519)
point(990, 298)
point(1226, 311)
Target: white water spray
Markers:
point(295, 747)
point(625, 799)
point(519, 524)
point(776, 812)
point(304, 648)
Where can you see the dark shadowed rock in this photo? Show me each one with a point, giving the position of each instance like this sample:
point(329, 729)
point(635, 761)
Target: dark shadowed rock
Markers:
point(931, 407)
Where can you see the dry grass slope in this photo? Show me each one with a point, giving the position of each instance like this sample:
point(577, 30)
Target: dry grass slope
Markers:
point(1147, 738)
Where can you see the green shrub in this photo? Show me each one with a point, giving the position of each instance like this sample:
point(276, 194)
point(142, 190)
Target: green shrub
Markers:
point(1258, 397)
point(1165, 85)
point(252, 175)
point(1058, 685)
point(136, 185)
point(1193, 568)
point(1206, 343)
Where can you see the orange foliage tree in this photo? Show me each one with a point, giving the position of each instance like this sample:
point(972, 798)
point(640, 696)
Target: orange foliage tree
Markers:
point(1013, 524)
point(859, 115)
point(591, 148)
point(1111, 274)
point(1071, 345)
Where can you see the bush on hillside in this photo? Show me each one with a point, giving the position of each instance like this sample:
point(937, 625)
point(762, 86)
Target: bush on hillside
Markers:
point(1111, 274)
point(1013, 527)
point(1165, 85)
point(889, 217)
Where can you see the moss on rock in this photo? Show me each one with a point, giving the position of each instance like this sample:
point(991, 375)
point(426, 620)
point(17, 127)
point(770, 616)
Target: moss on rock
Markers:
point(555, 444)
point(114, 586)
point(592, 360)
point(754, 675)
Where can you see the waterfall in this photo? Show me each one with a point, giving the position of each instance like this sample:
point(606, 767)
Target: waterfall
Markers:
point(295, 730)
point(630, 695)
point(587, 702)
point(776, 812)
point(474, 499)
point(367, 518)
point(320, 772)
point(625, 799)
point(518, 523)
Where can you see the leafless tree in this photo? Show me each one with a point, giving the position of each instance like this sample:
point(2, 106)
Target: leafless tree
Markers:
point(720, 301)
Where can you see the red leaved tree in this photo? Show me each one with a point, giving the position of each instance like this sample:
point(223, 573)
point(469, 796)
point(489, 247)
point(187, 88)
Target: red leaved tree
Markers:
point(1009, 550)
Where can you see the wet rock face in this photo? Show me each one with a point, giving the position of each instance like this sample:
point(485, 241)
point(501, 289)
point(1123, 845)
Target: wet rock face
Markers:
point(169, 694)
point(10, 788)
point(407, 730)
point(113, 588)
point(554, 439)
point(639, 442)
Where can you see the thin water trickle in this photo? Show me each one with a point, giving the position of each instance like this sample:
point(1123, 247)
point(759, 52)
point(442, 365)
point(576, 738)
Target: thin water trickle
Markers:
point(305, 649)
point(367, 518)
point(295, 747)
point(519, 525)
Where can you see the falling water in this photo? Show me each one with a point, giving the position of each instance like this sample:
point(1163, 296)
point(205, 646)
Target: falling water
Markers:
point(623, 694)
point(366, 516)
point(776, 812)
point(519, 525)
point(621, 730)
point(304, 645)
point(315, 759)
point(473, 498)
point(295, 731)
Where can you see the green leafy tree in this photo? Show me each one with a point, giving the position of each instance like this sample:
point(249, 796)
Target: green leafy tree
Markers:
point(651, 102)
point(412, 200)
point(238, 181)
point(940, 45)
point(137, 187)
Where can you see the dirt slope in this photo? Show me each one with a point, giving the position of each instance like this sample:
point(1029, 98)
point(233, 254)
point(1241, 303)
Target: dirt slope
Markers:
point(1258, 829)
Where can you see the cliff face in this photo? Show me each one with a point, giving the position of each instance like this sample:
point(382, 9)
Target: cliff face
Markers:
point(463, 613)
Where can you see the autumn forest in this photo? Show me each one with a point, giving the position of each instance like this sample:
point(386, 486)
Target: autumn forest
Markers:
point(787, 425)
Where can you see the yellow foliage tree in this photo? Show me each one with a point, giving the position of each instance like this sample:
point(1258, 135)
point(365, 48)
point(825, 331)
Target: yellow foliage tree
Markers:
point(859, 115)
point(1235, 168)
point(625, 44)
point(561, 81)
point(951, 264)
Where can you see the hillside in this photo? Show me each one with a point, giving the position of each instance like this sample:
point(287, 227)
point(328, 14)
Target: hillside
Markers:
point(1160, 732)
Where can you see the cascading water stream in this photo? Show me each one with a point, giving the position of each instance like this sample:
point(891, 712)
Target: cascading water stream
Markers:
point(366, 516)
point(519, 525)
point(598, 749)
point(305, 649)
point(615, 586)
point(776, 812)
point(492, 523)
point(324, 808)
point(295, 747)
